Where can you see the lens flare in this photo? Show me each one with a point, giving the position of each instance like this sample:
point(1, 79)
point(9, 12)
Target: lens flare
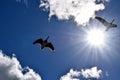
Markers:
point(95, 37)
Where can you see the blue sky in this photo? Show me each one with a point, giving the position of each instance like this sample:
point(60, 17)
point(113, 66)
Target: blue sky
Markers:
point(21, 24)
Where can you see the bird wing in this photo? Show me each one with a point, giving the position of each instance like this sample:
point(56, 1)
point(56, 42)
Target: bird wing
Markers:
point(50, 46)
point(103, 21)
point(40, 41)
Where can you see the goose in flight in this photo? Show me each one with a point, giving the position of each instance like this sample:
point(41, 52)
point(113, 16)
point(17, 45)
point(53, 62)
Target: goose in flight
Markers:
point(106, 24)
point(44, 43)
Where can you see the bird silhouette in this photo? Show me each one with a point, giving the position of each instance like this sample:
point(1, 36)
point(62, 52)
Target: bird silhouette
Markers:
point(106, 24)
point(44, 43)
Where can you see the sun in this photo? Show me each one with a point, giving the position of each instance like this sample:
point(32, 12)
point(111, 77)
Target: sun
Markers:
point(95, 37)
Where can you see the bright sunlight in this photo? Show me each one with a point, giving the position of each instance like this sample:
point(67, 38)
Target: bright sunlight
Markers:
point(95, 37)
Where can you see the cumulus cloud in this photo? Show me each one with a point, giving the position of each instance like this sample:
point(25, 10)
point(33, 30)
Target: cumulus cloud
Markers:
point(71, 75)
point(79, 10)
point(10, 69)
point(91, 73)
point(87, 73)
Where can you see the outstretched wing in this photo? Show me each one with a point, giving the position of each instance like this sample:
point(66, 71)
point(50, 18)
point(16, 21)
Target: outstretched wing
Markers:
point(40, 41)
point(50, 46)
point(103, 21)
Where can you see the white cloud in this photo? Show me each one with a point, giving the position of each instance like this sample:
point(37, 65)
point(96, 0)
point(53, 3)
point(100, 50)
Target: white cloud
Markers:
point(71, 75)
point(87, 73)
point(91, 73)
point(10, 69)
point(80, 10)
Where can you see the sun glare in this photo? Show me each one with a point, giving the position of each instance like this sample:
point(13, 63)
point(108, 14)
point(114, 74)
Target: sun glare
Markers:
point(95, 37)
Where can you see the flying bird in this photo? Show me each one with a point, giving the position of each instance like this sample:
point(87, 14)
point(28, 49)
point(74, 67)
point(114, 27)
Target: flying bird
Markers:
point(106, 24)
point(44, 43)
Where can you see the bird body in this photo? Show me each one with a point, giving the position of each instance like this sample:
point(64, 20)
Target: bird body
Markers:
point(44, 43)
point(106, 24)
